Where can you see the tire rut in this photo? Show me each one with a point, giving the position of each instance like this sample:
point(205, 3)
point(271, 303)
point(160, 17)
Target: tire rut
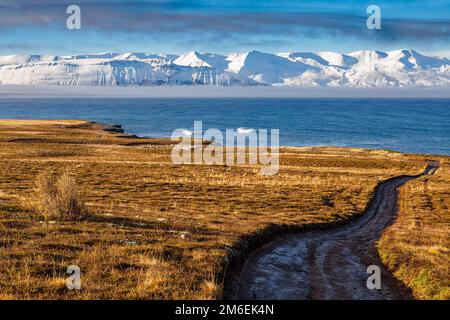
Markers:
point(328, 264)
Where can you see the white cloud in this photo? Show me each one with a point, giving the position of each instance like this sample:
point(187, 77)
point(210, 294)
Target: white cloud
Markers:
point(442, 53)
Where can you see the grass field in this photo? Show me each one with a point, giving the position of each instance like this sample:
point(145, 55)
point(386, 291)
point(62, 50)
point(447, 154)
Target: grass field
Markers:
point(417, 246)
point(161, 231)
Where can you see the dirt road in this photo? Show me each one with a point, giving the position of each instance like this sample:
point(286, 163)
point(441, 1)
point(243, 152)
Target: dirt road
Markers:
point(327, 264)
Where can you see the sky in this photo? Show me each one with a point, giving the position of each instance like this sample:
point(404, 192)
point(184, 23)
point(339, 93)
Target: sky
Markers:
point(176, 26)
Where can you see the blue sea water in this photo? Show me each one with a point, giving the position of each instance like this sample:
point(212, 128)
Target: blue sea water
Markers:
point(407, 125)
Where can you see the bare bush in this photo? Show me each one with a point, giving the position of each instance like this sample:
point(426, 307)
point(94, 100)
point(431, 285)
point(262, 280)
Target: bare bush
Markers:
point(56, 197)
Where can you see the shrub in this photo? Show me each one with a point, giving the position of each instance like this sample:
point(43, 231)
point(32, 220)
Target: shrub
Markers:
point(56, 197)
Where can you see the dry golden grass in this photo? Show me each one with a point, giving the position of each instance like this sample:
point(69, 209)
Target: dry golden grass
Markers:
point(56, 198)
point(417, 246)
point(158, 230)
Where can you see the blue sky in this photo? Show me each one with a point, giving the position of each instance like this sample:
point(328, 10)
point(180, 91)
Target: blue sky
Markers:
point(175, 26)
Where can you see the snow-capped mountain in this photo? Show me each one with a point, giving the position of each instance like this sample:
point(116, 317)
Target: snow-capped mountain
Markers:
point(400, 68)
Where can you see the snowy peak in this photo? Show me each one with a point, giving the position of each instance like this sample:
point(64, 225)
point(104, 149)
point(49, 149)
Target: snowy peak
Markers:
point(306, 58)
point(369, 68)
point(236, 62)
point(413, 59)
point(337, 59)
point(144, 56)
point(102, 55)
point(23, 59)
point(196, 59)
point(368, 56)
point(270, 68)
point(192, 59)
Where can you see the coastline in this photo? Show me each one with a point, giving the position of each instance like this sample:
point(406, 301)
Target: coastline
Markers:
point(137, 139)
point(305, 148)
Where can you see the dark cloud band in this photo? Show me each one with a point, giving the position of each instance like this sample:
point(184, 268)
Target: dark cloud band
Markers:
point(156, 17)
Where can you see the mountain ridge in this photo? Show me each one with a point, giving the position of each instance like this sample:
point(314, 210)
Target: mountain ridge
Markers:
point(365, 68)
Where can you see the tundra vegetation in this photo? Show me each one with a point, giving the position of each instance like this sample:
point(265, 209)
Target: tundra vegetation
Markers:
point(417, 247)
point(141, 227)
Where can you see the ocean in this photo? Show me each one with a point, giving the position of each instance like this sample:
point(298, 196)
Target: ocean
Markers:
point(406, 125)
